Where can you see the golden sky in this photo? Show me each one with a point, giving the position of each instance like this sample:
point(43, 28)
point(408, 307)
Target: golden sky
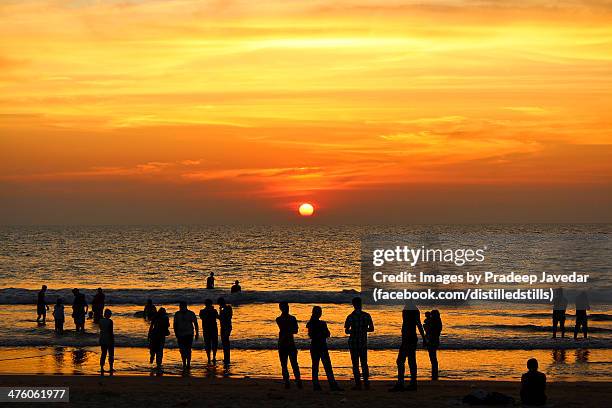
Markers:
point(235, 111)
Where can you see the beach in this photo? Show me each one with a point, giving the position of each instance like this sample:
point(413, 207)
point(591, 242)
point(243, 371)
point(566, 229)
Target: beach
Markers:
point(92, 391)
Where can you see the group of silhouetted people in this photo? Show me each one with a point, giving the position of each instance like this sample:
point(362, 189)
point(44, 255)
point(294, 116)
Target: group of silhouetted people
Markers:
point(559, 309)
point(357, 326)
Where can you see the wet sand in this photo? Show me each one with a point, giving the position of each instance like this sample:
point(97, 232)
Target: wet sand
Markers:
point(118, 391)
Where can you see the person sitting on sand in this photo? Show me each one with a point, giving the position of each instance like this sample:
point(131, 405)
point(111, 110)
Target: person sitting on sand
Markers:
point(357, 325)
point(318, 333)
point(41, 305)
point(225, 320)
point(533, 385)
point(209, 316)
point(107, 341)
point(158, 330)
point(287, 327)
point(185, 322)
point(58, 316)
point(558, 314)
point(79, 310)
point(149, 310)
point(582, 305)
point(210, 281)
point(411, 321)
point(236, 287)
point(97, 305)
point(433, 329)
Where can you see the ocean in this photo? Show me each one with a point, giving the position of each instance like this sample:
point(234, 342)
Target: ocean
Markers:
point(305, 265)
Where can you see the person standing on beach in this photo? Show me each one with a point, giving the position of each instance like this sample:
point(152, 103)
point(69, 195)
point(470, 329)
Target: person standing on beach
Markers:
point(318, 333)
point(287, 327)
point(433, 329)
point(358, 324)
point(79, 310)
point(97, 305)
point(185, 322)
point(533, 385)
point(225, 320)
point(41, 305)
point(58, 316)
point(411, 321)
point(107, 341)
point(582, 305)
point(149, 310)
point(210, 281)
point(236, 287)
point(209, 318)
point(558, 314)
point(158, 330)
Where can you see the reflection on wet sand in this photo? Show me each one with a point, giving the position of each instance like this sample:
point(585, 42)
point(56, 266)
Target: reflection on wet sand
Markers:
point(79, 358)
point(582, 356)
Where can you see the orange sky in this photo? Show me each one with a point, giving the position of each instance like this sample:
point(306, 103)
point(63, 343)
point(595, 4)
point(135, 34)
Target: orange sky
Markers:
point(235, 111)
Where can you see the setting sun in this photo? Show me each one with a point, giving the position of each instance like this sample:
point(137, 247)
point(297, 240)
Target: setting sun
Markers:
point(306, 210)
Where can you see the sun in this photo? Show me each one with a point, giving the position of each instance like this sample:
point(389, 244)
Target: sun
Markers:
point(306, 210)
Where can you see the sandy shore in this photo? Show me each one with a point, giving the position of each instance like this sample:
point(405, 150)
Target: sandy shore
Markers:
point(118, 391)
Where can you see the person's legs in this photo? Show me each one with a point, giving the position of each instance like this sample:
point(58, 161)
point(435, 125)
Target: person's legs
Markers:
point(207, 346)
point(433, 357)
point(355, 363)
point(555, 320)
point(111, 356)
point(412, 364)
point(183, 349)
point(365, 370)
point(189, 341)
point(585, 326)
point(295, 366)
point(104, 350)
point(315, 356)
point(160, 353)
point(562, 324)
point(577, 326)
point(215, 345)
point(327, 365)
point(225, 343)
point(401, 366)
point(283, 356)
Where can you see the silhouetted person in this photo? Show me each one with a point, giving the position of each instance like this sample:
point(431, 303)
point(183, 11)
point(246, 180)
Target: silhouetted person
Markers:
point(97, 305)
point(357, 325)
point(225, 320)
point(149, 310)
point(433, 329)
point(41, 305)
point(209, 318)
point(107, 341)
point(158, 330)
point(287, 327)
point(558, 314)
point(185, 322)
point(318, 333)
point(79, 310)
point(533, 385)
point(411, 321)
point(236, 287)
point(59, 316)
point(210, 281)
point(582, 305)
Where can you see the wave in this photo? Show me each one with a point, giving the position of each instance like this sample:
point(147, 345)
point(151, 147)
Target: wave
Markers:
point(19, 296)
point(597, 317)
point(530, 328)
